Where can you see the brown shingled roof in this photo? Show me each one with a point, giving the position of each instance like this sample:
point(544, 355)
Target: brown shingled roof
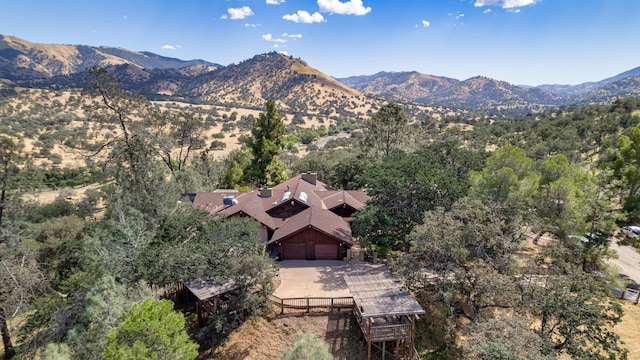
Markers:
point(212, 201)
point(251, 204)
point(337, 198)
point(319, 197)
point(319, 219)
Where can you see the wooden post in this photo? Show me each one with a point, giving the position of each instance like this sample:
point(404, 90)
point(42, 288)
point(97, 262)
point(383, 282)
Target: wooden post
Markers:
point(384, 349)
point(199, 311)
point(413, 333)
point(308, 308)
point(281, 306)
point(331, 308)
point(368, 339)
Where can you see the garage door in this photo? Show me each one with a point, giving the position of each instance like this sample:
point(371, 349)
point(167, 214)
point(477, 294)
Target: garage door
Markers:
point(294, 251)
point(326, 251)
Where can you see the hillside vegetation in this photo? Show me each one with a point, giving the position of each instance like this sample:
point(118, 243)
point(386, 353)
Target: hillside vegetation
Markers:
point(298, 87)
point(460, 203)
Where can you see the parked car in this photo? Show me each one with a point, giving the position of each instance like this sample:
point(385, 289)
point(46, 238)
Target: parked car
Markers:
point(592, 239)
point(583, 239)
point(631, 231)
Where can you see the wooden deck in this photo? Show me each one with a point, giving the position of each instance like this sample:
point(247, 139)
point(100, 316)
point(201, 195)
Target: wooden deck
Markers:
point(388, 328)
point(386, 313)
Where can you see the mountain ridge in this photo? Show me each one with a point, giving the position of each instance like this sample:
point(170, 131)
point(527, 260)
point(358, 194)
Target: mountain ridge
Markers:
point(23, 60)
point(292, 81)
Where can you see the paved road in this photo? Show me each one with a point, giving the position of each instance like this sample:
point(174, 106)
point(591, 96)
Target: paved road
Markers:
point(323, 141)
point(628, 260)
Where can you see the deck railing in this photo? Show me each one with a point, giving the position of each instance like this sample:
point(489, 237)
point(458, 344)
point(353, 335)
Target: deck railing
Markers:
point(311, 303)
point(387, 332)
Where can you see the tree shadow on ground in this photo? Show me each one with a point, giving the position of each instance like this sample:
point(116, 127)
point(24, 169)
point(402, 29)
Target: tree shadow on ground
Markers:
point(233, 352)
point(332, 277)
point(344, 337)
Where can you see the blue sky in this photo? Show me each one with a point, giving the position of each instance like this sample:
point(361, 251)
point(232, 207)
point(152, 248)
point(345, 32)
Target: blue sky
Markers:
point(529, 42)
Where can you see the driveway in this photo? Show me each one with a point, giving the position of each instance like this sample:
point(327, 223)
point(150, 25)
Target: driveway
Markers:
point(320, 278)
point(628, 260)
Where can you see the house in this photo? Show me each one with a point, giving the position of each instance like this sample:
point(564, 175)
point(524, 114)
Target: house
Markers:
point(301, 218)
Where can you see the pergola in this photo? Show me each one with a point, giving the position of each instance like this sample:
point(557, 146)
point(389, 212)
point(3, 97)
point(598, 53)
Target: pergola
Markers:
point(386, 313)
point(210, 294)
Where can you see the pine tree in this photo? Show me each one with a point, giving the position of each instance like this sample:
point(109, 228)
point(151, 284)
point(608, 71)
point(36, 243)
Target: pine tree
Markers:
point(265, 143)
point(152, 330)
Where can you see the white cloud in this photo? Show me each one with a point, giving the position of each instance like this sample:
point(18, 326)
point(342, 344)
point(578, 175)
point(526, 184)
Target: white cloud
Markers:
point(505, 4)
point(486, 11)
point(171, 47)
point(293, 36)
point(252, 25)
point(269, 37)
point(352, 7)
point(274, 2)
point(238, 13)
point(459, 16)
point(304, 17)
point(425, 23)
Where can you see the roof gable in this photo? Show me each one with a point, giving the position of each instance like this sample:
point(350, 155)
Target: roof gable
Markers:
point(312, 199)
point(343, 197)
point(319, 219)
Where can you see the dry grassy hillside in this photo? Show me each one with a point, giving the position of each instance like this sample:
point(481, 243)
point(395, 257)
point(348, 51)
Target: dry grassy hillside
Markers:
point(50, 59)
point(52, 121)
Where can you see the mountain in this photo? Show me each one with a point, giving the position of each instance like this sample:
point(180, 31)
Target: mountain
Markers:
point(581, 90)
point(290, 81)
point(476, 92)
point(24, 60)
point(298, 87)
point(400, 85)
point(607, 92)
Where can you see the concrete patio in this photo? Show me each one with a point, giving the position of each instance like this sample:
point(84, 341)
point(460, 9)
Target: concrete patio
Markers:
point(320, 278)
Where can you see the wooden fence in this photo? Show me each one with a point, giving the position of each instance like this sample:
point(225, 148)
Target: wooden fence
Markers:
point(311, 303)
point(628, 294)
point(176, 292)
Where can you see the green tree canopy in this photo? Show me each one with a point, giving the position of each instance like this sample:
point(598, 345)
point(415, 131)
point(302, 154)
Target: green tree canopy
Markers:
point(624, 163)
point(265, 143)
point(505, 176)
point(386, 130)
point(405, 185)
point(574, 316)
point(151, 330)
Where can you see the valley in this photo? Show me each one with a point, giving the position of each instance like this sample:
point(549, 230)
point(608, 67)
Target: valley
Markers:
point(112, 163)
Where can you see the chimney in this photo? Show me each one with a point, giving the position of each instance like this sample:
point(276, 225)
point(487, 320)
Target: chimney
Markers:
point(266, 192)
point(310, 177)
